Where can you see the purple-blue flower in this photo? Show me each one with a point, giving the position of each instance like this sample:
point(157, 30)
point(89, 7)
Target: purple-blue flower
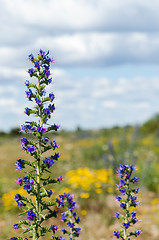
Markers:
point(23, 141)
point(136, 190)
point(27, 83)
point(28, 185)
point(47, 112)
point(43, 92)
point(77, 220)
point(60, 203)
point(47, 58)
point(123, 191)
point(117, 214)
point(41, 129)
point(31, 71)
point(55, 127)
point(47, 73)
point(133, 198)
point(54, 144)
point(135, 179)
point(16, 226)
point(133, 214)
point(134, 220)
point(27, 127)
point(17, 197)
point(121, 183)
point(117, 234)
point(49, 162)
point(49, 80)
point(118, 198)
point(133, 168)
point(123, 205)
point(36, 64)
point(38, 101)
point(20, 164)
point(71, 224)
point(31, 57)
point(134, 203)
point(27, 111)
point(63, 230)
point(19, 180)
point(42, 53)
point(20, 204)
point(63, 216)
point(53, 228)
point(31, 216)
point(31, 149)
point(29, 93)
point(76, 232)
point(46, 139)
point(138, 232)
point(59, 179)
point(49, 192)
point(56, 156)
point(51, 107)
point(126, 225)
point(74, 214)
point(52, 96)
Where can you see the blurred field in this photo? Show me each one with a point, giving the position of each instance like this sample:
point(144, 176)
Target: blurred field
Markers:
point(88, 163)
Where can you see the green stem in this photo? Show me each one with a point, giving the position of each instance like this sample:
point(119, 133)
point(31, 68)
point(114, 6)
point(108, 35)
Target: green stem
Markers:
point(34, 234)
point(127, 212)
point(38, 172)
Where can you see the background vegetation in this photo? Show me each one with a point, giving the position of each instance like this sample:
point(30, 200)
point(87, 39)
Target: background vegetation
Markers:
point(88, 164)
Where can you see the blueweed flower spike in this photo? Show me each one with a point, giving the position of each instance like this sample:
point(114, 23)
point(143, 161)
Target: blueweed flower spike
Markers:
point(127, 200)
point(37, 208)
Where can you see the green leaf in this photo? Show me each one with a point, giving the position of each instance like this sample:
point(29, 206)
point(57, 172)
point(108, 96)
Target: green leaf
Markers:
point(50, 181)
point(46, 99)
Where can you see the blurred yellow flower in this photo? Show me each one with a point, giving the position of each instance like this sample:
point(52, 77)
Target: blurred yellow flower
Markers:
point(146, 141)
point(84, 195)
point(99, 190)
point(115, 141)
point(83, 212)
point(155, 201)
point(90, 179)
point(65, 189)
point(97, 184)
point(109, 190)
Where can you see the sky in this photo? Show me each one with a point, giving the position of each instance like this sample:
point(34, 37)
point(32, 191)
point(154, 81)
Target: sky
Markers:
point(106, 53)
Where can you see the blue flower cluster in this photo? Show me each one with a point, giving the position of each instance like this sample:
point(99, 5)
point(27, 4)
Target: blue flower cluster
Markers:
point(31, 216)
point(27, 183)
point(127, 201)
point(36, 205)
point(20, 164)
point(70, 217)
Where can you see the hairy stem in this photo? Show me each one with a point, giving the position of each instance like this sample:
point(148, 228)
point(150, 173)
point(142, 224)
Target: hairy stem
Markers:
point(38, 172)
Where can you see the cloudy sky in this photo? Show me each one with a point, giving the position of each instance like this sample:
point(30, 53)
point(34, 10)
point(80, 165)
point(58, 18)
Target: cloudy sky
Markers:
point(106, 69)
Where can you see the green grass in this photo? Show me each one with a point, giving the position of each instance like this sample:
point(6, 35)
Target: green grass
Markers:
point(96, 149)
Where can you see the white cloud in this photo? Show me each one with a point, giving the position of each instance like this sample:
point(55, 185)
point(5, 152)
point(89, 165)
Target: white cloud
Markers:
point(5, 102)
point(86, 49)
point(9, 90)
point(122, 101)
point(109, 104)
point(102, 49)
point(79, 103)
point(85, 15)
point(10, 72)
point(80, 33)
